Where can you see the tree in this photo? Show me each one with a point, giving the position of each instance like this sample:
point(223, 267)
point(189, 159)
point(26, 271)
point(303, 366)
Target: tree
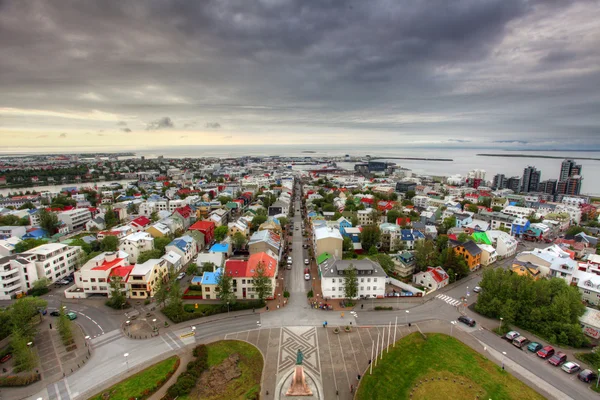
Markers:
point(175, 295)
point(425, 254)
point(109, 243)
point(48, 221)
point(64, 327)
point(161, 290)
point(261, 282)
point(347, 244)
point(28, 244)
point(386, 262)
point(160, 243)
point(370, 236)
point(39, 287)
point(473, 208)
point(372, 251)
point(117, 298)
point(574, 230)
point(86, 247)
point(442, 242)
point(354, 221)
point(110, 218)
point(225, 288)
point(350, 283)
point(258, 220)
point(283, 221)
point(239, 240)
point(410, 194)
point(24, 358)
point(22, 312)
point(463, 237)
point(448, 223)
point(148, 255)
point(398, 245)
point(208, 267)
point(154, 216)
point(133, 208)
point(393, 215)
point(221, 233)
point(27, 206)
point(496, 208)
point(192, 269)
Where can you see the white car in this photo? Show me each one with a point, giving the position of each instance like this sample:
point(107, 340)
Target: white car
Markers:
point(307, 277)
point(477, 289)
point(181, 276)
point(570, 367)
point(306, 262)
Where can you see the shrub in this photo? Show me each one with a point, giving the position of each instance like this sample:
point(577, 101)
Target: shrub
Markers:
point(382, 308)
point(187, 380)
point(21, 380)
point(180, 314)
point(37, 291)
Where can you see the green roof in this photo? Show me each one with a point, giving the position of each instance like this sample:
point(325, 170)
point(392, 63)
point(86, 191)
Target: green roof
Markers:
point(481, 237)
point(232, 204)
point(323, 257)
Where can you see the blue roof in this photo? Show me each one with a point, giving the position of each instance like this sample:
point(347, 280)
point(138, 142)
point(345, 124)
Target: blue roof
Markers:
point(35, 234)
point(220, 248)
point(182, 242)
point(411, 234)
point(196, 280)
point(211, 278)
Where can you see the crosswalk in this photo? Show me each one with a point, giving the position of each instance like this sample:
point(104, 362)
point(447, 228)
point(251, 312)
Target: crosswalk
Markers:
point(450, 300)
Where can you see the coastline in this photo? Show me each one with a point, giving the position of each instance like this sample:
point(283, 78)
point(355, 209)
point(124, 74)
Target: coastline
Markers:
point(536, 156)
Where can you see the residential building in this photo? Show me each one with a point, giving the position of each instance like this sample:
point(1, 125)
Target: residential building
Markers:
point(17, 274)
point(390, 236)
point(370, 276)
point(185, 246)
point(207, 228)
point(409, 238)
point(238, 226)
point(405, 186)
point(499, 182)
point(174, 260)
point(158, 230)
point(514, 184)
point(522, 212)
point(569, 168)
point(95, 275)
point(141, 223)
point(12, 231)
point(420, 201)
point(144, 277)
point(488, 254)
point(365, 217)
point(469, 250)
point(136, 243)
point(243, 272)
point(548, 186)
point(271, 224)
point(327, 239)
point(531, 179)
point(53, 260)
point(7, 246)
point(262, 241)
point(209, 284)
point(218, 259)
point(433, 278)
point(97, 223)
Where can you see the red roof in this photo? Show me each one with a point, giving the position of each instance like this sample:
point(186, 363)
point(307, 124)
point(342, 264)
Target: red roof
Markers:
point(437, 275)
point(185, 212)
point(269, 264)
point(141, 221)
point(236, 268)
point(366, 200)
point(108, 264)
point(403, 221)
point(202, 226)
point(122, 271)
point(452, 236)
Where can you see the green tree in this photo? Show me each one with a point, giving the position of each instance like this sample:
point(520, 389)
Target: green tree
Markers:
point(27, 206)
point(110, 218)
point(393, 215)
point(283, 221)
point(386, 262)
point(225, 289)
point(109, 243)
point(496, 208)
point(154, 216)
point(425, 255)
point(221, 233)
point(161, 290)
point(48, 221)
point(24, 358)
point(410, 194)
point(463, 237)
point(442, 242)
point(192, 269)
point(160, 243)
point(354, 221)
point(258, 220)
point(117, 297)
point(87, 248)
point(473, 208)
point(22, 313)
point(372, 251)
point(28, 244)
point(261, 282)
point(347, 244)
point(239, 240)
point(574, 230)
point(448, 223)
point(208, 267)
point(370, 236)
point(148, 255)
point(350, 283)
point(133, 208)
point(64, 327)
point(175, 294)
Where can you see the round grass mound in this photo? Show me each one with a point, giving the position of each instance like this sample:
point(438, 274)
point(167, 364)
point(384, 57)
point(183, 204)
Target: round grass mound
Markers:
point(420, 367)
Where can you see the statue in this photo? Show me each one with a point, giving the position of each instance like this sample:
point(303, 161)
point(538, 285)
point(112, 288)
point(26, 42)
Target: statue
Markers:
point(299, 357)
point(299, 386)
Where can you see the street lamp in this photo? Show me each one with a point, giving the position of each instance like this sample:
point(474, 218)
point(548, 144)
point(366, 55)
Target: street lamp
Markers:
point(227, 308)
point(194, 330)
point(451, 327)
point(407, 312)
point(29, 344)
point(503, 355)
point(501, 319)
point(126, 360)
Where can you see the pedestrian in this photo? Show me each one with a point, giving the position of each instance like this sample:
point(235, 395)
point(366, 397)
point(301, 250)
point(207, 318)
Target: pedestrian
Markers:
point(362, 306)
point(342, 315)
point(358, 377)
point(253, 310)
point(351, 388)
point(370, 361)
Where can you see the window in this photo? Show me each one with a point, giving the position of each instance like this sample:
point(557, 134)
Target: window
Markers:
point(362, 280)
point(362, 288)
point(368, 287)
point(586, 291)
point(208, 289)
point(341, 289)
point(92, 279)
point(333, 289)
point(368, 279)
point(333, 280)
point(374, 279)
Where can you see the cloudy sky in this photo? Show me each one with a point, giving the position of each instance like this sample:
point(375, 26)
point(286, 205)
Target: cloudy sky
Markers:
point(122, 74)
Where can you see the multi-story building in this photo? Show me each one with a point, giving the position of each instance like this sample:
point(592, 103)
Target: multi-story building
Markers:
point(207, 228)
point(17, 274)
point(327, 239)
point(470, 251)
point(7, 247)
point(144, 277)
point(365, 217)
point(370, 278)
point(243, 272)
point(185, 246)
point(75, 219)
point(548, 187)
point(505, 244)
point(95, 275)
point(499, 182)
point(54, 260)
point(135, 244)
point(531, 179)
point(569, 168)
point(514, 183)
point(434, 278)
point(262, 241)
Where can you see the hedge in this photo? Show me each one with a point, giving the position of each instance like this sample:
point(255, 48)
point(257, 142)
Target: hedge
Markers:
point(189, 311)
point(187, 380)
point(19, 380)
point(381, 308)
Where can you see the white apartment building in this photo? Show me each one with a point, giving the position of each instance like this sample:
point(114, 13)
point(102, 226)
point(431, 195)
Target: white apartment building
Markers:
point(94, 276)
point(17, 274)
point(504, 243)
point(516, 211)
point(144, 277)
point(574, 201)
point(147, 208)
point(55, 260)
point(370, 275)
point(135, 244)
point(7, 247)
point(75, 219)
point(365, 217)
point(173, 204)
point(420, 201)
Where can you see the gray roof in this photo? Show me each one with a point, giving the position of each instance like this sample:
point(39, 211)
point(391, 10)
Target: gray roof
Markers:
point(334, 266)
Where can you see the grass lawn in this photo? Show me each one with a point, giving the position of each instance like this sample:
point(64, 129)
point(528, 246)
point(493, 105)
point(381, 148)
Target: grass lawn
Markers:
point(250, 365)
point(143, 381)
point(452, 369)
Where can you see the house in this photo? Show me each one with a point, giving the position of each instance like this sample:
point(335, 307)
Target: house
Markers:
point(505, 244)
point(525, 268)
point(185, 246)
point(174, 260)
point(186, 215)
point(13, 231)
point(218, 259)
point(469, 250)
point(35, 233)
point(488, 254)
point(209, 283)
point(370, 276)
point(365, 217)
point(144, 277)
point(7, 246)
point(95, 275)
point(327, 239)
point(75, 219)
point(390, 236)
point(141, 223)
point(207, 228)
point(136, 243)
point(158, 230)
point(409, 237)
point(433, 278)
point(463, 219)
point(261, 241)
point(238, 226)
point(198, 238)
point(271, 224)
point(96, 224)
point(225, 248)
point(220, 216)
point(242, 273)
point(551, 261)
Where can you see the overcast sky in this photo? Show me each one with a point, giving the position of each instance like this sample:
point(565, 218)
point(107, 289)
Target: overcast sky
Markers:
point(428, 72)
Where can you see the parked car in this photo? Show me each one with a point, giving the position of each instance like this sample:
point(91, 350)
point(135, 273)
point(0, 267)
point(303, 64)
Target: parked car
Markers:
point(570, 367)
point(477, 289)
point(181, 276)
point(558, 359)
point(289, 260)
point(62, 282)
point(71, 315)
point(587, 376)
point(520, 342)
point(307, 274)
point(306, 262)
point(5, 358)
point(546, 352)
point(512, 335)
point(55, 313)
point(305, 246)
point(466, 320)
point(534, 347)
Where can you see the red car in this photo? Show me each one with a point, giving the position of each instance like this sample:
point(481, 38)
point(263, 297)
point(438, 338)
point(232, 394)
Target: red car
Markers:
point(546, 352)
point(558, 359)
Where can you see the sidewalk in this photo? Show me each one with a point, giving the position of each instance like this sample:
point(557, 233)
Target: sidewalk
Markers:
point(184, 359)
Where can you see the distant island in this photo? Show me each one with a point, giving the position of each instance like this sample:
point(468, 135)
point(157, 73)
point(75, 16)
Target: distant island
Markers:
point(309, 151)
point(537, 156)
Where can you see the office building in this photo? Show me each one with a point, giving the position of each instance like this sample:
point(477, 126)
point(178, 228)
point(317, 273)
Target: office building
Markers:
point(499, 182)
point(531, 179)
point(514, 184)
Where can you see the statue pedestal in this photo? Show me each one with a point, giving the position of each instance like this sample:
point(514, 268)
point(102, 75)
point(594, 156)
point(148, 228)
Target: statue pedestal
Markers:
point(286, 385)
point(299, 386)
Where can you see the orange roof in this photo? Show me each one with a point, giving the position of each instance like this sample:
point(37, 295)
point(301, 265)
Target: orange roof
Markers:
point(269, 264)
point(108, 264)
point(122, 271)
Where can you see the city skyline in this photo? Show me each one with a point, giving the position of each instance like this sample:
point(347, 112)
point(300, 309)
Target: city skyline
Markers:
point(142, 74)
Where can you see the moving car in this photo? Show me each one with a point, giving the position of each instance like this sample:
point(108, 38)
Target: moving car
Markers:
point(305, 246)
point(570, 367)
point(587, 376)
point(512, 335)
point(477, 289)
point(71, 315)
point(466, 320)
point(520, 342)
point(306, 274)
point(534, 347)
point(181, 276)
point(55, 313)
point(546, 352)
point(558, 359)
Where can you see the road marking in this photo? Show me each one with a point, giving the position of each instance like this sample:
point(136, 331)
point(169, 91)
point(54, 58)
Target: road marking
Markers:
point(167, 343)
point(332, 364)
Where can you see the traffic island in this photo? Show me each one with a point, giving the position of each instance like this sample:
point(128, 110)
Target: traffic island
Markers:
point(141, 328)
